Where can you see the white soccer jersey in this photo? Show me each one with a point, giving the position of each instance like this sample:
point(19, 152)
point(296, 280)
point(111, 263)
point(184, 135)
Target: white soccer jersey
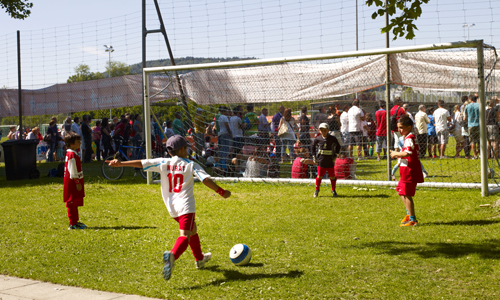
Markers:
point(176, 182)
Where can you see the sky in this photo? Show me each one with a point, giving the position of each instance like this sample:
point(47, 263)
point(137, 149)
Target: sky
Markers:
point(61, 34)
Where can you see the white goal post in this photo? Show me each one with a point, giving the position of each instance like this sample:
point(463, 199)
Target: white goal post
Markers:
point(478, 45)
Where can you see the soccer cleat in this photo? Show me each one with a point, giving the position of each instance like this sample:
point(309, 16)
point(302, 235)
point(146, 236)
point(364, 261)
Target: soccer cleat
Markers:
point(406, 219)
point(169, 260)
point(76, 226)
point(200, 264)
point(408, 224)
point(316, 193)
point(425, 174)
point(81, 225)
point(334, 194)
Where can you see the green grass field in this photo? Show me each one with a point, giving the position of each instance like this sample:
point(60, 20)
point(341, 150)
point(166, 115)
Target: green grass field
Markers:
point(303, 247)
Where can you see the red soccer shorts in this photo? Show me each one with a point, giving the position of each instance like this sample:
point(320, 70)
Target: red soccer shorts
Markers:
point(322, 172)
point(406, 188)
point(186, 222)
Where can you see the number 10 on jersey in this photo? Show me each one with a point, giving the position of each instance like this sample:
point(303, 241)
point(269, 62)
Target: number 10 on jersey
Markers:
point(175, 182)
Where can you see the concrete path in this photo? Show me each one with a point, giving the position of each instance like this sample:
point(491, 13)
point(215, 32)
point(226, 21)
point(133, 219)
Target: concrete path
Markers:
point(13, 288)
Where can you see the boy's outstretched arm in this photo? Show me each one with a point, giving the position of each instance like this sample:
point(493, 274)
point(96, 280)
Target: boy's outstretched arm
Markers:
point(130, 163)
point(213, 186)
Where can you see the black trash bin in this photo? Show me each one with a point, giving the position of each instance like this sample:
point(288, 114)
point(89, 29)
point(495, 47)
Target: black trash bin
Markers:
point(20, 159)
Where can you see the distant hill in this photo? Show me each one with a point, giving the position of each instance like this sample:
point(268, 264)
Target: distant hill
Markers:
point(188, 60)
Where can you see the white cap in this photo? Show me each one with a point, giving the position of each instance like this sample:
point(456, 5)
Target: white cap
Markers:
point(323, 125)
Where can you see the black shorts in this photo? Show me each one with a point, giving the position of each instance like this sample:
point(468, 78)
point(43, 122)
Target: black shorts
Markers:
point(433, 139)
point(356, 138)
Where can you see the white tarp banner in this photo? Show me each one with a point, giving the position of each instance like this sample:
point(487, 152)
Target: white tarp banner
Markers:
point(310, 80)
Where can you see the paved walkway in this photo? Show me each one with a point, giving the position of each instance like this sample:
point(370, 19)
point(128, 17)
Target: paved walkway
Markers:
point(13, 288)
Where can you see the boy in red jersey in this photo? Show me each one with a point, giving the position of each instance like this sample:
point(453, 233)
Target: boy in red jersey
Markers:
point(73, 189)
point(324, 149)
point(410, 170)
point(177, 181)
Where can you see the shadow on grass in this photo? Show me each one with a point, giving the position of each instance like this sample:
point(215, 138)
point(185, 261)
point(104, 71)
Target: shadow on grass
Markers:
point(465, 223)
point(122, 228)
point(489, 249)
point(234, 275)
point(364, 196)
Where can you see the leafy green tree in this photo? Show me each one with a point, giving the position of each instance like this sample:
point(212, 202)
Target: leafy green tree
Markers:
point(402, 25)
point(17, 9)
point(83, 73)
point(118, 69)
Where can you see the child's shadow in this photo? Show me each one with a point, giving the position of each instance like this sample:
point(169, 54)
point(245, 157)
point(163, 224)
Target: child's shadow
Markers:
point(234, 275)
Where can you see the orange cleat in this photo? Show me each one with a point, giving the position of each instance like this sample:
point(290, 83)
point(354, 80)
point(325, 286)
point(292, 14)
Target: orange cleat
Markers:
point(406, 219)
point(409, 224)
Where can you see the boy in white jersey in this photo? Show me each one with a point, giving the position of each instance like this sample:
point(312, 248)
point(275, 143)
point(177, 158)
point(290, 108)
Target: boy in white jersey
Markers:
point(177, 192)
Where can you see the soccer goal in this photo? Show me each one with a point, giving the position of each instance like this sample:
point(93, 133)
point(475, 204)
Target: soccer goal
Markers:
point(324, 85)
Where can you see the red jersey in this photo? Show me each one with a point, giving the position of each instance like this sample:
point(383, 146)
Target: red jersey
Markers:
point(299, 170)
point(73, 175)
point(399, 111)
point(343, 168)
point(381, 117)
point(410, 168)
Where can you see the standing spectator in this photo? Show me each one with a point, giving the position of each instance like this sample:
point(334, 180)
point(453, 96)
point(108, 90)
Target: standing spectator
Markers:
point(399, 111)
point(87, 138)
point(224, 138)
point(441, 119)
point(235, 124)
point(304, 127)
point(334, 124)
point(421, 121)
point(97, 139)
point(12, 131)
point(274, 127)
point(216, 119)
point(67, 125)
point(52, 130)
point(177, 125)
point(254, 121)
point(115, 121)
point(465, 127)
point(75, 127)
point(431, 134)
point(406, 107)
point(106, 138)
point(119, 131)
point(17, 133)
point(264, 129)
point(199, 131)
point(372, 133)
point(289, 137)
point(356, 118)
point(457, 130)
point(169, 132)
point(137, 139)
point(320, 117)
point(344, 125)
point(492, 119)
point(471, 114)
point(381, 117)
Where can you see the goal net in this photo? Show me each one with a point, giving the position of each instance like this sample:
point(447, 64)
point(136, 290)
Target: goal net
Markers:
point(249, 97)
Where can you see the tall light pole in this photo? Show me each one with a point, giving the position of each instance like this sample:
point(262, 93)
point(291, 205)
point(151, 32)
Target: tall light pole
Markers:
point(468, 27)
point(109, 49)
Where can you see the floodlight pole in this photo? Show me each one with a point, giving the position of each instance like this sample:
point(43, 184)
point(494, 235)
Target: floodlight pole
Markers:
point(109, 49)
point(388, 96)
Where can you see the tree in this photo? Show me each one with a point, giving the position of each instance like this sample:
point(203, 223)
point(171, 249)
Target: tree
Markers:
point(83, 73)
point(402, 25)
point(118, 69)
point(17, 9)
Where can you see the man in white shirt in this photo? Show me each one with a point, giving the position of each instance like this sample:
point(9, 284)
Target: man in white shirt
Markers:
point(236, 129)
point(441, 119)
point(344, 125)
point(421, 121)
point(356, 118)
